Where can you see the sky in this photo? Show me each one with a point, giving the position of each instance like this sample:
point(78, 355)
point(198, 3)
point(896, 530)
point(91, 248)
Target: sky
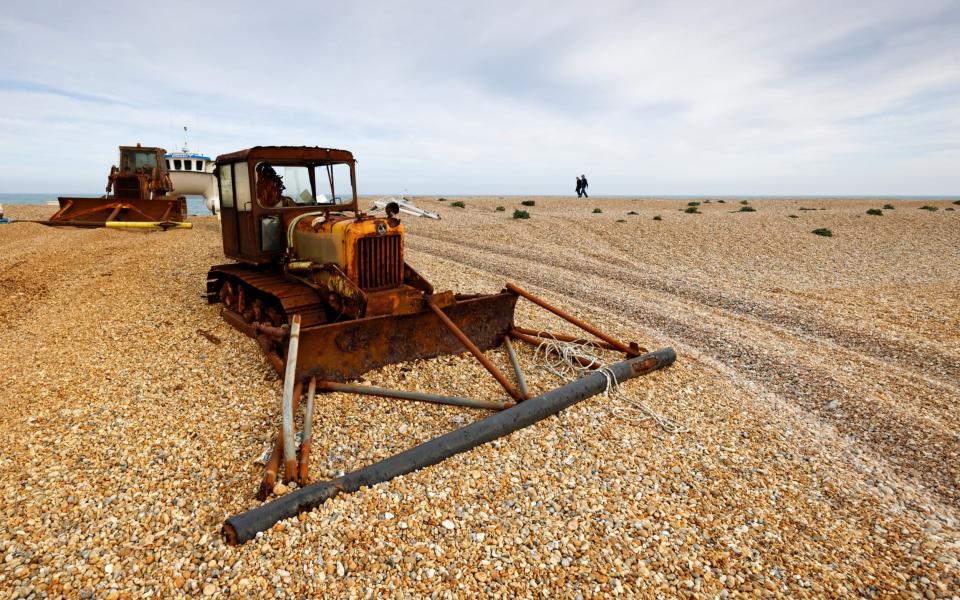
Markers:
point(645, 98)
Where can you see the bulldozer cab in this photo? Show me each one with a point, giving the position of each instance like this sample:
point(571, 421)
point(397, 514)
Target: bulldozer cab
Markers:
point(263, 188)
point(142, 174)
point(140, 160)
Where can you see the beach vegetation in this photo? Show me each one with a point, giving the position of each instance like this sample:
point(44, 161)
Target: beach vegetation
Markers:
point(888, 207)
point(529, 203)
point(633, 212)
point(823, 231)
point(597, 210)
point(692, 210)
point(520, 214)
point(499, 209)
point(747, 208)
point(458, 204)
point(875, 212)
point(693, 204)
point(658, 218)
point(928, 207)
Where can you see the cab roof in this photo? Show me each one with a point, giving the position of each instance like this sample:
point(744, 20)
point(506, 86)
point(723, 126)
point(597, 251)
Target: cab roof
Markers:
point(297, 153)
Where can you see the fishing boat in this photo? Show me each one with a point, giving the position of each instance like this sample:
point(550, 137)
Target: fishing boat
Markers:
point(192, 175)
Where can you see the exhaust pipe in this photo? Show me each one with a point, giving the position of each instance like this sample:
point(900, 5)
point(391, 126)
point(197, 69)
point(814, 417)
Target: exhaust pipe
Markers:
point(245, 526)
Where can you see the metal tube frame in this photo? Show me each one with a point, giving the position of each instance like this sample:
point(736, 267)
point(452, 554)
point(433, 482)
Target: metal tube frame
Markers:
point(631, 352)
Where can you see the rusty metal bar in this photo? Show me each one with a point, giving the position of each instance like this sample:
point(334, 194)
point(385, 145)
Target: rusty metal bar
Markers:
point(114, 213)
point(245, 526)
point(273, 464)
point(521, 382)
point(369, 390)
point(469, 345)
point(570, 338)
point(538, 342)
point(570, 318)
point(304, 474)
point(289, 447)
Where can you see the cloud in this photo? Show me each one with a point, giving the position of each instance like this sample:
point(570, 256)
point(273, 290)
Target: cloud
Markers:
point(501, 97)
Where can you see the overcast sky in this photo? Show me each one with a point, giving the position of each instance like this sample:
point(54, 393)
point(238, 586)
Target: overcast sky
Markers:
point(713, 97)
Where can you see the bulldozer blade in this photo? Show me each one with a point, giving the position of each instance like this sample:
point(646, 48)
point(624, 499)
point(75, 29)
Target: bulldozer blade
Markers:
point(96, 212)
point(345, 351)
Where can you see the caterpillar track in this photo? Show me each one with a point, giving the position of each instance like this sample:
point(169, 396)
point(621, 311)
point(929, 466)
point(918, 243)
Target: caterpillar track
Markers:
point(264, 296)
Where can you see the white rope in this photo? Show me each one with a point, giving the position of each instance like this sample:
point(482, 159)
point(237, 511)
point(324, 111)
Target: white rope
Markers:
point(570, 360)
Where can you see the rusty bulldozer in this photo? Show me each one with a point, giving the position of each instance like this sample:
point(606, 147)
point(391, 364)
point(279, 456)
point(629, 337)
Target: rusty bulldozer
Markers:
point(325, 291)
point(137, 196)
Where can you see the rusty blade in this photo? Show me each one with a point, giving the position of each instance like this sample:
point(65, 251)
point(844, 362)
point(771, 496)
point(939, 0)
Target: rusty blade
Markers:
point(91, 212)
point(345, 351)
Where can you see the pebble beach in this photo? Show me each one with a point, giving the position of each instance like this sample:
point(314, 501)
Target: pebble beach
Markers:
point(816, 388)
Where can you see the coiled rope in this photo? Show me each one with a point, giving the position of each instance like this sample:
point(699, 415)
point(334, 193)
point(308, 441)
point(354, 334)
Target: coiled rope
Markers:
point(570, 360)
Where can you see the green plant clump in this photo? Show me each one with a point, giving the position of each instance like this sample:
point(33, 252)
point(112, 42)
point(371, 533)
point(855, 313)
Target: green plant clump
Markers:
point(458, 204)
point(633, 212)
point(823, 231)
point(499, 209)
point(597, 210)
point(693, 204)
point(721, 201)
point(441, 199)
point(520, 214)
point(528, 202)
point(658, 218)
point(747, 209)
point(888, 207)
point(875, 212)
point(744, 202)
point(692, 210)
point(957, 202)
point(927, 207)
point(793, 216)
point(621, 220)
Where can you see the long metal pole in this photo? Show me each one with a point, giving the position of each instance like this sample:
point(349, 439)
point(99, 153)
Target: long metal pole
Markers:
point(240, 528)
point(572, 319)
point(370, 390)
point(477, 353)
point(289, 446)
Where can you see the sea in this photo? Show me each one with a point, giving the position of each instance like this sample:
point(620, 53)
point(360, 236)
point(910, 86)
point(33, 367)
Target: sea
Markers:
point(195, 204)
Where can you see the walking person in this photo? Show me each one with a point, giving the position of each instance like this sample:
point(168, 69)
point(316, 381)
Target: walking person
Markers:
point(583, 186)
point(579, 187)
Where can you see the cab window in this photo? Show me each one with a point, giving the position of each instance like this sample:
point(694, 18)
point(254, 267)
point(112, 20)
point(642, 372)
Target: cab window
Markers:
point(226, 185)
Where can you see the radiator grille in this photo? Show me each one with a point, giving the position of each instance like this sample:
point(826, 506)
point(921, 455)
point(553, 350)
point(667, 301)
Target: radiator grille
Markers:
point(380, 262)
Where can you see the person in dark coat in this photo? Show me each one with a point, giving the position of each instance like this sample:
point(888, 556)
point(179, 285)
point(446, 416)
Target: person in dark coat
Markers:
point(583, 186)
point(579, 187)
